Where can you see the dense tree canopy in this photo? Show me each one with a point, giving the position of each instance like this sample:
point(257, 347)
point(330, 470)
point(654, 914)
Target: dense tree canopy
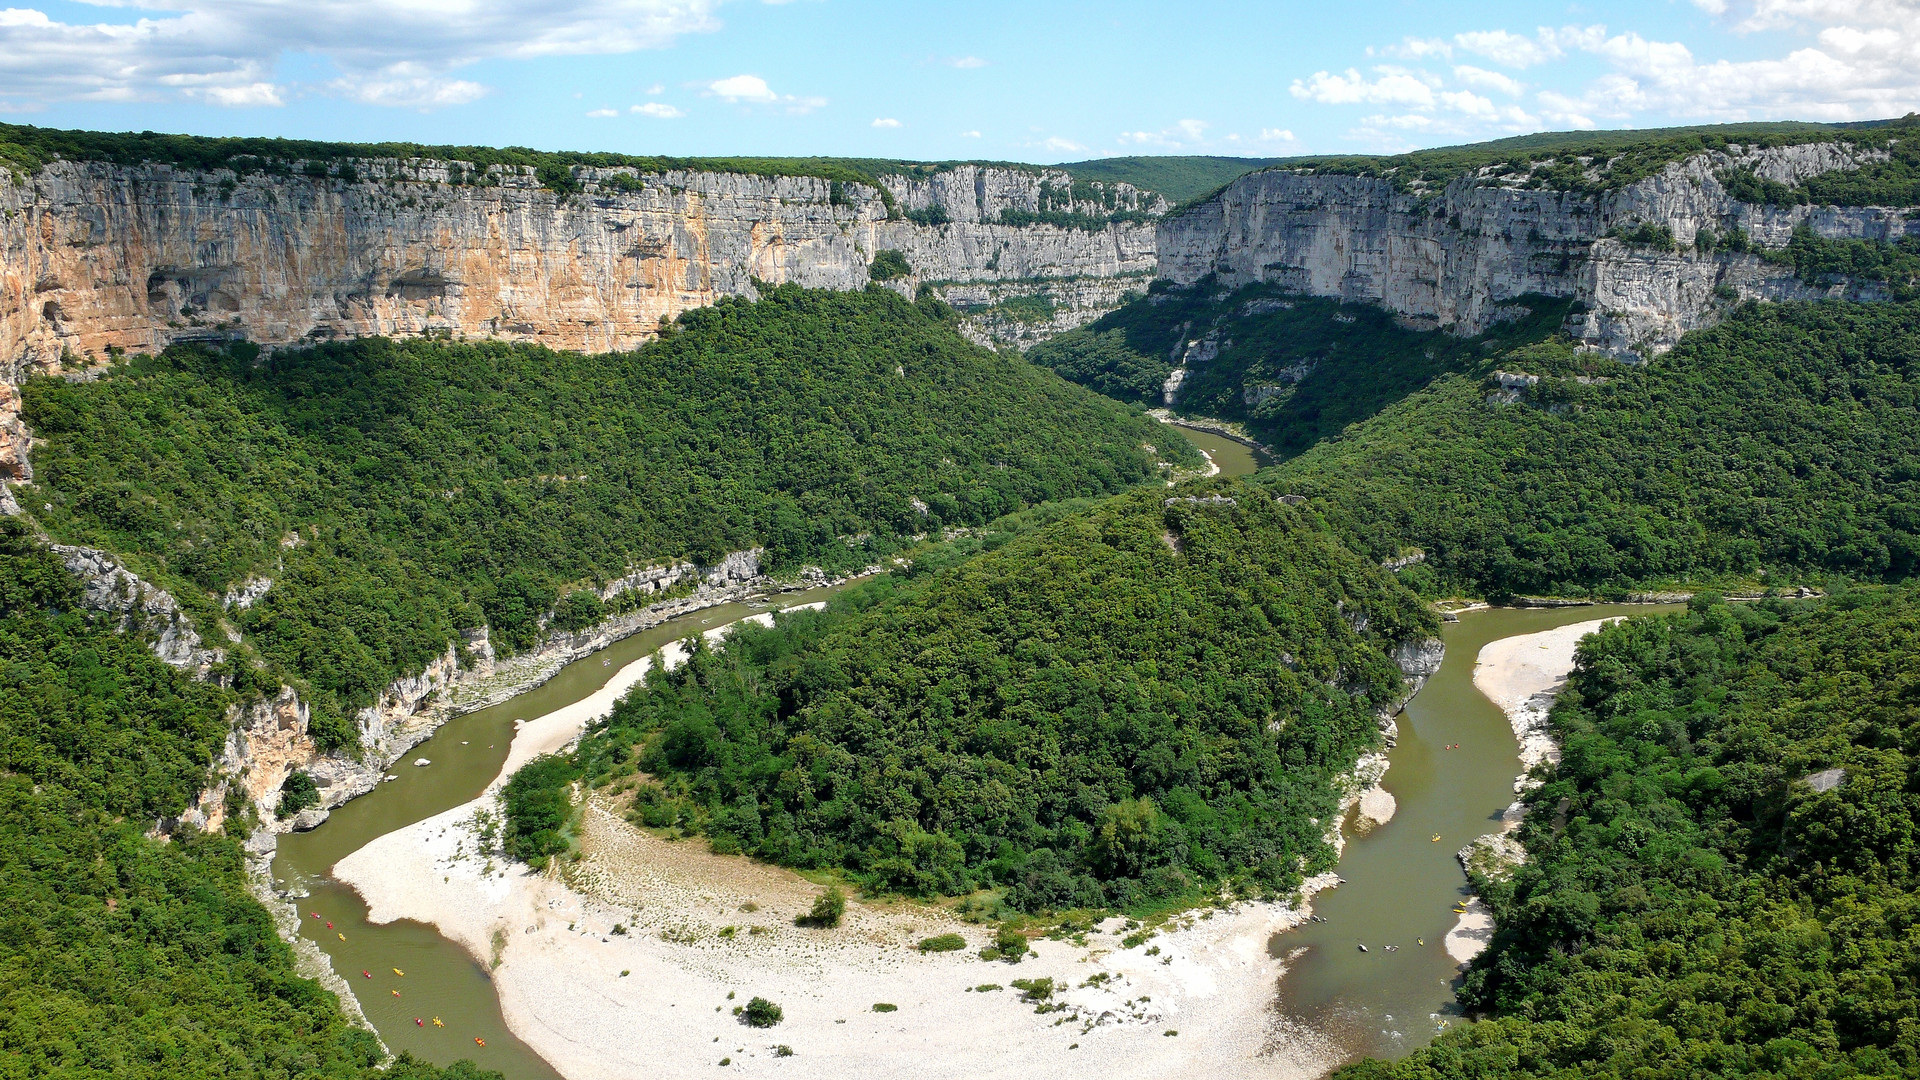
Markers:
point(122, 955)
point(398, 492)
point(1138, 702)
point(1295, 369)
point(1724, 867)
point(1782, 441)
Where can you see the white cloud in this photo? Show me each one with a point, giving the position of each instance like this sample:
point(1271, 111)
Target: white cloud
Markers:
point(1055, 142)
point(1414, 121)
point(390, 52)
point(965, 62)
point(656, 89)
point(1276, 135)
point(1395, 86)
point(407, 90)
point(658, 110)
point(1184, 134)
point(886, 122)
point(1488, 80)
point(1418, 49)
point(1508, 49)
point(1839, 60)
point(969, 134)
point(602, 113)
point(753, 90)
point(1865, 65)
point(260, 93)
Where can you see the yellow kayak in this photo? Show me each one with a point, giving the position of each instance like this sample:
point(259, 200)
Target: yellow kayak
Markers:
point(341, 936)
point(397, 971)
point(1436, 838)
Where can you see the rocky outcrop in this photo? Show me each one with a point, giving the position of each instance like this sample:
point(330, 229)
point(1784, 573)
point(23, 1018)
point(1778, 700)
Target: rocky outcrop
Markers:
point(270, 739)
point(97, 257)
point(1462, 258)
point(143, 608)
point(1418, 659)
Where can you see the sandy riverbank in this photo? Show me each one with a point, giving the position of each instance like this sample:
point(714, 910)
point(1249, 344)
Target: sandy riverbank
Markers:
point(698, 927)
point(1523, 674)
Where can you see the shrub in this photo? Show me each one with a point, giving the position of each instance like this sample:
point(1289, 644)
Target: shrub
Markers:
point(557, 178)
point(297, 794)
point(539, 803)
point(579, 610)
point(881, 1006)
point(761, 1013)
point(826, 911)
point(1034, 990)
point(1011, 943)
point(887, 265)
point(943, 943)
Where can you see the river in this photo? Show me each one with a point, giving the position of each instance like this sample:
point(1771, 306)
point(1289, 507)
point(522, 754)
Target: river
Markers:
point(441, 980)
point(1400, 884)
point(1232, 458)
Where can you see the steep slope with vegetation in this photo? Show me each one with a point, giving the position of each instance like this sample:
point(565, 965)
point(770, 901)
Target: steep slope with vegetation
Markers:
point(1140, 703)
point(122, 955)
point(1724, 878)
point(1295, 369)
point(398, 492)
point(1782, 442)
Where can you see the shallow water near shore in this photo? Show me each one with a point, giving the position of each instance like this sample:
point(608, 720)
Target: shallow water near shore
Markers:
point(441, 980)
point(1401, 884)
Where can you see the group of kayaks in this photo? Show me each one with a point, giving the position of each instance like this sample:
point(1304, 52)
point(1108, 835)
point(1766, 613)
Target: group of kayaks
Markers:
point(1459, 908)
point(365, 974)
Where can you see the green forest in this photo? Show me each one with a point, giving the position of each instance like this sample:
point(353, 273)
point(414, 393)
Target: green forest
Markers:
point(1295, 369)
point(122, 955)
point(1723, 868)
point(1777, 445)
point(1145, 701)
point(397, 492)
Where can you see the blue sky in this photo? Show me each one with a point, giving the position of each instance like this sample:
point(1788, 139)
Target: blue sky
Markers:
point(1031, 81)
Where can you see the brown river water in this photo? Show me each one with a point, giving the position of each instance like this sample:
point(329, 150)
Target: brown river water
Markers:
point(1401, 885)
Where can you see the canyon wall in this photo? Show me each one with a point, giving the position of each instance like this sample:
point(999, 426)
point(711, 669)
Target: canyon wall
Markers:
point(97, 257)
point(1459, 258)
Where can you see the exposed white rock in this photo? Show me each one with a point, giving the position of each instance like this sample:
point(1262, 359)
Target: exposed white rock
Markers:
point(1459, 259)
point(143, 607)
point(96, 256)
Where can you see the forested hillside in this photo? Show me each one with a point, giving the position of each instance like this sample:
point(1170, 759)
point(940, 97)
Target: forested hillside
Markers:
point(1295, 369)
point(398, 492)
point(1779, 444)
point(122, 955)
point(1723, 878)
point(1136, 703)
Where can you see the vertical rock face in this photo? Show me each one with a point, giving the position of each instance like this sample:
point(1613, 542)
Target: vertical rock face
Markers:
point(100, 257)
point(1459, 258)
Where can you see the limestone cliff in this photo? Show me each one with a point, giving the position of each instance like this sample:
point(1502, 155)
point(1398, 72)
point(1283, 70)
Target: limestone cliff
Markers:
point(1459, 258)
point(97, 257)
